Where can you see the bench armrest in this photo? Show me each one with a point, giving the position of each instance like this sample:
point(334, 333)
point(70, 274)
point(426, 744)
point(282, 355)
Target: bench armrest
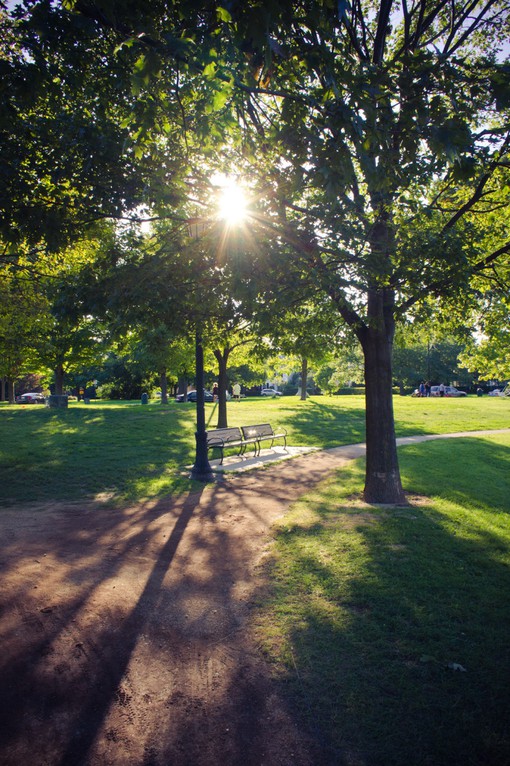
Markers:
point(216, 442)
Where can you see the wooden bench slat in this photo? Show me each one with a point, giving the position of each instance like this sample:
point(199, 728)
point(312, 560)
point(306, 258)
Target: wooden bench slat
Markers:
point(262, 432)
point(224, 435)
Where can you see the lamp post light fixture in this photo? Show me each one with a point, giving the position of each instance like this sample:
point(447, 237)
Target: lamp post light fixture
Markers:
point(201, 470)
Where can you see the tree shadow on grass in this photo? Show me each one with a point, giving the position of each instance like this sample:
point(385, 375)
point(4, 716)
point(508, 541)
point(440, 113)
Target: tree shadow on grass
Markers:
point(123, 453)
point(400, 644)
point(321, 423)
point(327, 425)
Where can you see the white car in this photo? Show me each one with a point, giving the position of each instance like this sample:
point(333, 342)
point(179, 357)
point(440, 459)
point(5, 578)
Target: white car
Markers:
point(270, 392)
point(449, 391)
point(499, 392)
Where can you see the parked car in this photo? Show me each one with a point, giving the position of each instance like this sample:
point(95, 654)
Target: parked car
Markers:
point(449, 391)
point(270, 392)
point(191, 396)
point(500, 392)
point(31, 398)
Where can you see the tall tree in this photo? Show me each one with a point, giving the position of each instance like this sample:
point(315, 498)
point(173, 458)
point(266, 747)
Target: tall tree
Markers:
point(386, 132)
point(24, 320)
point(378, 133)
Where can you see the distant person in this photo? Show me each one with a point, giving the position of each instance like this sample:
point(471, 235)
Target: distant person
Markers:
point(441, 389)
point(215, 392)
point(427, 388)
point(421, 389)
point(236, 391)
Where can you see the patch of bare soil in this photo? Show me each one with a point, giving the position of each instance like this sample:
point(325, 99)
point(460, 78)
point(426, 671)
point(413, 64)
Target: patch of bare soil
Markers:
point(125, 634)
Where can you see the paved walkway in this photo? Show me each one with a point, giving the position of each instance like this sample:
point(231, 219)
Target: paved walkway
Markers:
point(248, 461)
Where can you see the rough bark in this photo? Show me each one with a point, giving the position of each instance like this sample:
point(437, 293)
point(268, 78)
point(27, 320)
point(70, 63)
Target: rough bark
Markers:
point(10, 390)
point(304, 377)
point(382, 479)
point(182, 386)
point(59, 379)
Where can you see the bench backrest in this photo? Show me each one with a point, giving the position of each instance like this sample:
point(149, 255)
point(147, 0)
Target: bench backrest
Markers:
point(258, 431)
point(224, 435)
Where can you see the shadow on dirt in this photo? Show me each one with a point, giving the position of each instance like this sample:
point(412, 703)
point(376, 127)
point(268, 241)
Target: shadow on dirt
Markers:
point(124, 633)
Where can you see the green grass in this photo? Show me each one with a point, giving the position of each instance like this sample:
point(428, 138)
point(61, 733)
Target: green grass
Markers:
point(128, 452)
point(388, 628)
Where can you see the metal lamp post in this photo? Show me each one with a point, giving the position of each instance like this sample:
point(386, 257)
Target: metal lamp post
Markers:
point(201, 470)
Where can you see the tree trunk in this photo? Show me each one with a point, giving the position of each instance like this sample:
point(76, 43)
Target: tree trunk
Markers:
point(222, 359)
point(164, 386)
point(10, 390)
point(3, 389)
point(382, 478)
point(59, 380)
point(182, 385)
point(304, 377)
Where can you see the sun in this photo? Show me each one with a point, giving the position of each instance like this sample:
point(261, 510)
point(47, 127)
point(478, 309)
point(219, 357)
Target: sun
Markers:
point(232, 203)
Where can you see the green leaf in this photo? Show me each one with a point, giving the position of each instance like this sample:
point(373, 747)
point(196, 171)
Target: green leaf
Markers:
point(124, 44)
point(140, 64)
point(500, 83)
point(210, 69)
point(223, 15)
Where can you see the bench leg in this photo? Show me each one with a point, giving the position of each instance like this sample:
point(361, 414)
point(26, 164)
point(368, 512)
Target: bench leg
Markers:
point(217, 446)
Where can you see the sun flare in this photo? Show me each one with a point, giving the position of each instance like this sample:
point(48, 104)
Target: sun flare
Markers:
point(232, 204)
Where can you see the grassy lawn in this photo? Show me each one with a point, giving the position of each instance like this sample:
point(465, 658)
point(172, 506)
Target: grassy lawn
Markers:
point(126, 452)
point(388, 628)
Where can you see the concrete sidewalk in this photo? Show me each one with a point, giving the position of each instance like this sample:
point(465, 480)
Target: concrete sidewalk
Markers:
point(249, 461)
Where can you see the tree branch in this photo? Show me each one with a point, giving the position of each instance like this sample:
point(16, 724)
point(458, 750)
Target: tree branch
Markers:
point(382, 30)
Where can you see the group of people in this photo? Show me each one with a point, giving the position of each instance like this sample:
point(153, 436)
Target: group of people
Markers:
point(424, 388)
point(236, 391)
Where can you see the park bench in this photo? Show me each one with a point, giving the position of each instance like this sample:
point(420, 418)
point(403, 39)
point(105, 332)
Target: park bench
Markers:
point(264, 432)
point(221, 438)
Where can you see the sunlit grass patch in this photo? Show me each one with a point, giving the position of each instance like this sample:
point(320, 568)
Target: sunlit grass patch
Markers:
point(389, 627)
point(133, 452)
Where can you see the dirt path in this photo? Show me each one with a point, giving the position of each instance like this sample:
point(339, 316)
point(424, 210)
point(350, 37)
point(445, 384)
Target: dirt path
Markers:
point(124, 633)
